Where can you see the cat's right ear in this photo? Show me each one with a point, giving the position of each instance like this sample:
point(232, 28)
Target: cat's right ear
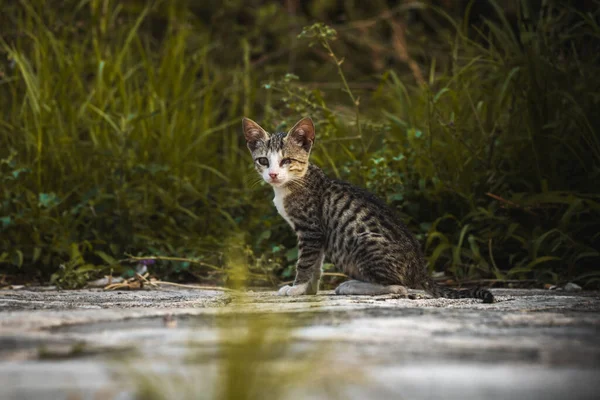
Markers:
point(253, 133)
point(303, 133)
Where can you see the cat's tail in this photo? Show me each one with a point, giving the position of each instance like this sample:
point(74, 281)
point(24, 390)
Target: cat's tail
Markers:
point(436, 290)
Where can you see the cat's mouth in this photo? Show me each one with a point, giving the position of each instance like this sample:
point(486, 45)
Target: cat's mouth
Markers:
point(275, 181)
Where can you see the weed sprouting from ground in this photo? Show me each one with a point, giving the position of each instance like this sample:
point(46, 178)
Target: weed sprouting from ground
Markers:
point(255, 354)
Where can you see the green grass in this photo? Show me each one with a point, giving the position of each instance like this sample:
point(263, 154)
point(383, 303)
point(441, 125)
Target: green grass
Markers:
point(118, 142)
point(120, 135)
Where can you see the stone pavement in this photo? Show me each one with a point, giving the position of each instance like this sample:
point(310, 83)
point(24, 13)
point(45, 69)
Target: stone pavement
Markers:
point(82, 344)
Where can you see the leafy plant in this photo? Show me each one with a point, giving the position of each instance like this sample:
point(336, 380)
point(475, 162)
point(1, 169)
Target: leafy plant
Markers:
point(120, 132)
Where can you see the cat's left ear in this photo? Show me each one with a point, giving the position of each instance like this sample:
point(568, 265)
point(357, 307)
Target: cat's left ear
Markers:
point(303, 133)
point(254, 134)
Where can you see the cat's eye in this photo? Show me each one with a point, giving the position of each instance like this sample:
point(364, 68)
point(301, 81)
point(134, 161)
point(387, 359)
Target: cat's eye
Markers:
point(263, 161)
point(285, 161)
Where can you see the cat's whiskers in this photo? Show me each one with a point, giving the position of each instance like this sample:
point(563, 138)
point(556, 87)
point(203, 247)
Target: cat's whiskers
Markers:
point(253, 182)
point(296, 183)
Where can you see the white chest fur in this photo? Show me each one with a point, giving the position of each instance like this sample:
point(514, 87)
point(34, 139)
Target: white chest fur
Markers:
point(280, 194)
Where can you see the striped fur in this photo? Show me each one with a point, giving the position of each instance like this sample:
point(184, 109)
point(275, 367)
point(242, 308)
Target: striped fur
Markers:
point(335, 220)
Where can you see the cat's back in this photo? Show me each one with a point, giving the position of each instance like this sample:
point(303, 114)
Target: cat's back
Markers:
point(351, 210)
point(346, 210)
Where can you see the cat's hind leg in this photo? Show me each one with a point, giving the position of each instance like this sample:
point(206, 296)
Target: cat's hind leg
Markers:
point(359, 288)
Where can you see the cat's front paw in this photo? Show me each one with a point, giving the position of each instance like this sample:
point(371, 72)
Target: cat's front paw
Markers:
point(296, 290)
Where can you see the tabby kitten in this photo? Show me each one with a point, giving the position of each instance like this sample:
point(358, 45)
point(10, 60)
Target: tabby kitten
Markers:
point(355, 230)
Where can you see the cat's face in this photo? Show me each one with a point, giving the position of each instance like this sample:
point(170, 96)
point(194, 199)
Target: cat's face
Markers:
point(280, 158)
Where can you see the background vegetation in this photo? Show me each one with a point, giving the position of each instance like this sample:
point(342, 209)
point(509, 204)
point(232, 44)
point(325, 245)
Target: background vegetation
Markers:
point(120, 131)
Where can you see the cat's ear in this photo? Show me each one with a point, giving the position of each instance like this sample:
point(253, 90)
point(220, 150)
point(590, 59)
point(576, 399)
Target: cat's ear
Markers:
point(253, 133)
point(303, 133)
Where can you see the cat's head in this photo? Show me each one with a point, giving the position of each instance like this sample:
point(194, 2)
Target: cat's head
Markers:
point(280, 158)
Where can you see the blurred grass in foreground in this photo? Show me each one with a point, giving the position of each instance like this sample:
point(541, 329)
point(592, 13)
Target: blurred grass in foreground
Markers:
point(255, 355)
point(120, 134)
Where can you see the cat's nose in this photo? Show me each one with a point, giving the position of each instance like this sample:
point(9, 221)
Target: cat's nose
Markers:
point(273, 175)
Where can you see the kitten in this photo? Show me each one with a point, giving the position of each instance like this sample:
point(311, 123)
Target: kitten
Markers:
point(355, 230)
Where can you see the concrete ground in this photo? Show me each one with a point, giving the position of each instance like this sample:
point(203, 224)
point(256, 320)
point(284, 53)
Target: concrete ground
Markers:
point(186, 343)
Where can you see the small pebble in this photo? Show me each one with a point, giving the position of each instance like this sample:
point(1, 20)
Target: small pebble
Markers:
point(99, 283)
point(169, 321)
point(572, 287)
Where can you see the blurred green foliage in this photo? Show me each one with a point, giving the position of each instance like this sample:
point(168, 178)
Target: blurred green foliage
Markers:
point(120, 131)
